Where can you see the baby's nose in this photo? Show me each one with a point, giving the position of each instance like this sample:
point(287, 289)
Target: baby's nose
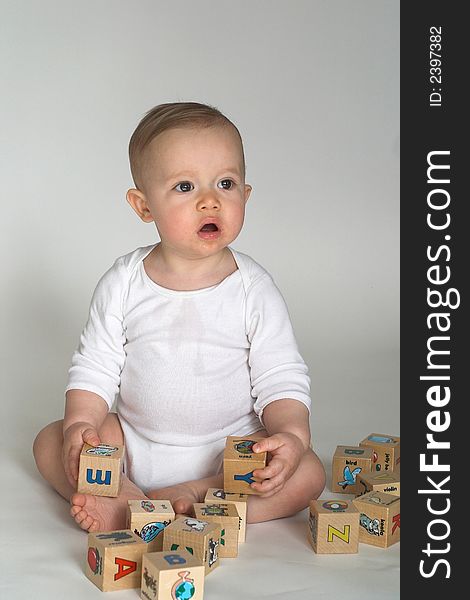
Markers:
point(207, 202)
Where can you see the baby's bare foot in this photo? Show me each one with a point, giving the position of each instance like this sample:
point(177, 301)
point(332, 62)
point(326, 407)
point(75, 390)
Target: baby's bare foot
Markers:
point(100, 513)
point(181, 496)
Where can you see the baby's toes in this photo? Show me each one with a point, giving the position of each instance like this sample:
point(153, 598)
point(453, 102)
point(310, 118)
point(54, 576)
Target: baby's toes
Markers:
point(78, 500)
point(80, 516)
point(94, 526)
point(87, 523)
point(183, 506)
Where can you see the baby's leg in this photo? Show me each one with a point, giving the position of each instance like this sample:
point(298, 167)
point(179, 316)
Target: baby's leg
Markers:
point(306, 484)
point(92, 513)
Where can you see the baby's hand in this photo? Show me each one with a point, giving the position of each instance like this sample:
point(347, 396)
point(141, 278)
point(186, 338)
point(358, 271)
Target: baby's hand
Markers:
point(286, 450)
point(74, 438)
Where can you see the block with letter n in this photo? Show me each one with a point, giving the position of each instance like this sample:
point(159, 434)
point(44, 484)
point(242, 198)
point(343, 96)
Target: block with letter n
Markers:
point(333, 527)
point(100, 470)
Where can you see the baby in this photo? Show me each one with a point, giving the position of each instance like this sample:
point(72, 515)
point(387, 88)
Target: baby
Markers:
point(191, 337)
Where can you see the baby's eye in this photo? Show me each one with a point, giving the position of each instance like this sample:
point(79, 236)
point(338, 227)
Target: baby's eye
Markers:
point(185, 185)
point(226, 181)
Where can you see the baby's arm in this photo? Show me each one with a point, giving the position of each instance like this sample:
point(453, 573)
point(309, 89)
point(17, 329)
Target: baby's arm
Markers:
point(94, 376)
point(287, 423)
point(85, 412)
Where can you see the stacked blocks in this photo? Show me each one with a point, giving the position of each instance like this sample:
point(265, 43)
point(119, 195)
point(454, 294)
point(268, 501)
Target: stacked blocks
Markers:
point(239, 463)
point(386, 451)
point(348, 463)
point(114, 559)
point(148, 519)
point(238, 500)
point(172, 575)
point(225, 515)
point(379, 481)
point(100, 469)
point(333, 527)
point(199, 538)
point(379, 518)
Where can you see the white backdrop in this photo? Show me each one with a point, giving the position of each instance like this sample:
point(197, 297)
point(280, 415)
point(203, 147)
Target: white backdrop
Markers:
point(313, 87)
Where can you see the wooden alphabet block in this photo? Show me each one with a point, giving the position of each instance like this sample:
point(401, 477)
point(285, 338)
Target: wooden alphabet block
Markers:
point(172, 575)
point(333, 527)
point(148, 519)
point(225, 515)
point(100, 469)
point(379, 481)
point(239, 463)
point(348, 462)
point(386, 451)
point(199, 538)
point(114, 560)
point(379, 521)
point(238, 500)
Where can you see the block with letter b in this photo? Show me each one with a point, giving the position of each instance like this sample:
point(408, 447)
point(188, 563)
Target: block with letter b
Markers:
point(100, 470)
point(200, 538)
point(170, 575)
point(114, 559)
point(239, 463)
point(333, 527)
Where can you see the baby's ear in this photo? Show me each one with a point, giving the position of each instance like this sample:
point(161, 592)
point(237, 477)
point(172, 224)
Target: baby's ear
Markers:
point(139, 203)
point(248, 189)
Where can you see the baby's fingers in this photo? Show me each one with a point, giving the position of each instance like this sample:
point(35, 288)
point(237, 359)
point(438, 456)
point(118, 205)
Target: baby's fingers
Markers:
point(90, 436)
point(71, 464)
point(270, 486)
point(274, 468)
point(268, 444)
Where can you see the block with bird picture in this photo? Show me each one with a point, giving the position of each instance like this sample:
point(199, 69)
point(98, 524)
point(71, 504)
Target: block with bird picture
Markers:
point(348, 462)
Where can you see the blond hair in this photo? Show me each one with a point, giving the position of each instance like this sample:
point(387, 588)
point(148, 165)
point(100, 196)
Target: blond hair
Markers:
point(172, 115)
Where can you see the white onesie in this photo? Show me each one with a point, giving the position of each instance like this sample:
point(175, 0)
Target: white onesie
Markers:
point(187, 368)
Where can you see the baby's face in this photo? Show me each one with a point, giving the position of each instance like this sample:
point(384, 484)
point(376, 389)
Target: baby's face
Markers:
point(194, 189)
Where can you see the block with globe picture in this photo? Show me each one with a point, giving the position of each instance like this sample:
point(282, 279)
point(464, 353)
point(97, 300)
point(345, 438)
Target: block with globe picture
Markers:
point(172, 576)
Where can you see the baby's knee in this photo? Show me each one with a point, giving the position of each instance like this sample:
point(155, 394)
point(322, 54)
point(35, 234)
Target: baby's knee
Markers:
point(313, 476)
point(47, 441)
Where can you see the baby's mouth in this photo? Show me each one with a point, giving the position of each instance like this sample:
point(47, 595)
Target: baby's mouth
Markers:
point(209, 227)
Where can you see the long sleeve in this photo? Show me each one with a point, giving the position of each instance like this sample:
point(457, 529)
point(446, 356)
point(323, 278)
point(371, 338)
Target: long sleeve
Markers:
point(276, 366)
point(98, 361)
